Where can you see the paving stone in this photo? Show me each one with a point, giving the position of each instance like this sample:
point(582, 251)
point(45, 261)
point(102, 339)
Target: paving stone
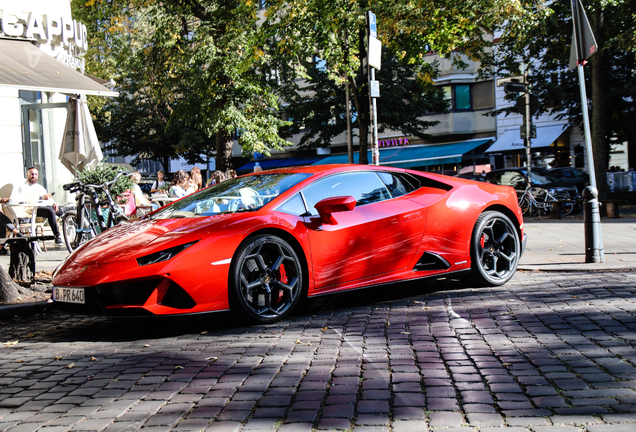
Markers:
point(484, 420)
point(443, 419)
point(409, 426)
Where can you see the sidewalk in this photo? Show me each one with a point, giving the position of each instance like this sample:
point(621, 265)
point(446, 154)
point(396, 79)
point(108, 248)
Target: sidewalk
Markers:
point(553, 245)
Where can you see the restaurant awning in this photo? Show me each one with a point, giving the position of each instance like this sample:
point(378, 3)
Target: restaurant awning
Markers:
point(417, 155)
point(24, 66)
point(511, 139)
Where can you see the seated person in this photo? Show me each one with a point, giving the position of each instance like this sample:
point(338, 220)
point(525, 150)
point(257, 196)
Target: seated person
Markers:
point(31, 187)
point(180, 186)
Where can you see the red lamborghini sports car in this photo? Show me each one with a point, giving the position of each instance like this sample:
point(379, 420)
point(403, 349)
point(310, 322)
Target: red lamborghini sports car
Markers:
point(260, 242)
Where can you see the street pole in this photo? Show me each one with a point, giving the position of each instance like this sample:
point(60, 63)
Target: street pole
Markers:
point(592, 217)
point(349, 143)
point(375, 149)
point(528, 125)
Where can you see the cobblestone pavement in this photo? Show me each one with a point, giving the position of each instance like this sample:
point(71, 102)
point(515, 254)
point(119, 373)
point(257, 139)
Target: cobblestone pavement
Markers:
point(548, 352)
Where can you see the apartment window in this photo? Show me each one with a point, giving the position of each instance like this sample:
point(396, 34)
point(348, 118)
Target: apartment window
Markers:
point(459, 95)
point(483, 95)
point(462, 97)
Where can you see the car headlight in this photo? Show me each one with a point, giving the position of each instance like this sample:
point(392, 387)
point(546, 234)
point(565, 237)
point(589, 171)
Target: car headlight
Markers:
point(163, 255)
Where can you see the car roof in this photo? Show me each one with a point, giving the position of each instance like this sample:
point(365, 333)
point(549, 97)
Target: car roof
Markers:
point(315, 169)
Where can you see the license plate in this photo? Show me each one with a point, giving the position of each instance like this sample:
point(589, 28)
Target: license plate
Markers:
point(68, 295)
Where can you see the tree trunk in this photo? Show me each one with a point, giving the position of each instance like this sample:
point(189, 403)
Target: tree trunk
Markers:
point(362, 101)
point(600, 142)
point(224, 145)
point(8, 288)
point(22, 262)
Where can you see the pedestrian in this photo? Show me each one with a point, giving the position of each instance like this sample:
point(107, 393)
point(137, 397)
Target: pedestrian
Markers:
point(160, 184)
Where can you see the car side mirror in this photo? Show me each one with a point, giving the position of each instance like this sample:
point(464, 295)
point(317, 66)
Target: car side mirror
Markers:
point(331, 205)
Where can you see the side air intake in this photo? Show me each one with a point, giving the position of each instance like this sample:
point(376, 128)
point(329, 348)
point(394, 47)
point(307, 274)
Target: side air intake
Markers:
point(430, 261)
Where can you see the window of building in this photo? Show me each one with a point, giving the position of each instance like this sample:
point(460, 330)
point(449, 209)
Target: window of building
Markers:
point(459, 95)
point(483, 95)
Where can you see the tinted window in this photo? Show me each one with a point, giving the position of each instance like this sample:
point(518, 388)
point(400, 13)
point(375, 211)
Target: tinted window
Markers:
point(393, 184)
point(240, 194)
point(365, 187)
point(511, 178)
point(294, 206)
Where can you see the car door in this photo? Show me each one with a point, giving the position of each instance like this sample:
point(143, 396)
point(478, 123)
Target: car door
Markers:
point(381, 234)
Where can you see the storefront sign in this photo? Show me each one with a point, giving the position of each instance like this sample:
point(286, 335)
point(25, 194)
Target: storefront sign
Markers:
point(48, 29)
point(393, 142)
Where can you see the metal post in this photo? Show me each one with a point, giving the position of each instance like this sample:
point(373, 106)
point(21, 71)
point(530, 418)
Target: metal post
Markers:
point(592, 218)
point(349, 141)
point(375, 150)
point(592, 222)
point(528, 125)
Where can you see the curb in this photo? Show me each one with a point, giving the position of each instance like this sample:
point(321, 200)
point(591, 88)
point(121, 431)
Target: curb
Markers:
point(23, 310)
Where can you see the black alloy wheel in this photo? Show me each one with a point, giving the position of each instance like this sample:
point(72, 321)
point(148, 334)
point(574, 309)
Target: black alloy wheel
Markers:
point(495, 249)
point(266, 278)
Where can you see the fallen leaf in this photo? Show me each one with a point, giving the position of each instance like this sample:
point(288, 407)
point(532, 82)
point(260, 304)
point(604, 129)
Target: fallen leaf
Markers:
point(58, 357)
point(406, 333)
point(298, 341)
point(388, 324)
point(146, 346)
point(10, 343)
point(30, 335)
point(212, 358)
point(20, 361)
point(70, 365)
point(308, 344)
point(507, 364)
point(204, 332)
point(178, 367)
point(93, 359)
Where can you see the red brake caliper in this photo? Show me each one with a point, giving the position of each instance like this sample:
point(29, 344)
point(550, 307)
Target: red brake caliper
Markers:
point(283, 279)
point(482, 240)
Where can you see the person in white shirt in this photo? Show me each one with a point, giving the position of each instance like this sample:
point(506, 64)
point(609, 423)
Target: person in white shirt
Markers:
point(181, 185)
point(32, 188)
point(159, 184)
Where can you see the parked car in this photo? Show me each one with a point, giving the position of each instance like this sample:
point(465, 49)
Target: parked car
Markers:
point(259, 243)
point(475, 177)
point(546, 188)
point(573, 176)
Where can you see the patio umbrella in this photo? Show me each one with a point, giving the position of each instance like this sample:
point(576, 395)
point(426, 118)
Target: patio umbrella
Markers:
point(80, 148)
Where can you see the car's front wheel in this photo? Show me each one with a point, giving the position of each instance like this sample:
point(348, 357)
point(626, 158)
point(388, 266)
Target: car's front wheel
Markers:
point(266, 278)
point(494, 250)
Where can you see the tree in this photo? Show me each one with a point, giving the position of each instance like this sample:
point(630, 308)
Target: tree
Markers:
point(543, 42)
point(189, 69)
point(335, 31)
point(318, 105)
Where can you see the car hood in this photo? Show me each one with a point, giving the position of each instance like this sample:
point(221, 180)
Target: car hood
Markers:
point(130, 240)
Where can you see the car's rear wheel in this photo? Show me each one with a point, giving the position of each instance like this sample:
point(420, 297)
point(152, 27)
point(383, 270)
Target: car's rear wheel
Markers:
point(266, 278)
point(494, 249)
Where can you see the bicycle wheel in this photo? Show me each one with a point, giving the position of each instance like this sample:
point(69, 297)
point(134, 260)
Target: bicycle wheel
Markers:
point(525, 205)
point(74, 234)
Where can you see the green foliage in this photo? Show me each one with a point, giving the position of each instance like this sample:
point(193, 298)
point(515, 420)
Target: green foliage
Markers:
point(543, 40)
point(102, 173)
point(186, 71)
point(334, 31)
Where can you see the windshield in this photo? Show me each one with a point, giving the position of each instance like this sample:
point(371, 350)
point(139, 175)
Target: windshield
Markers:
point(542, 176)
point(232, 196)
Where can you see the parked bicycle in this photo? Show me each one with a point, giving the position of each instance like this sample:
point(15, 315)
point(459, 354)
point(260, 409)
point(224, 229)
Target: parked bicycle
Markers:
point(544, 202)
point(91, 216)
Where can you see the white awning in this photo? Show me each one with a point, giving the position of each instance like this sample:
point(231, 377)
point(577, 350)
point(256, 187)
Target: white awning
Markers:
point(24, 66)
point(511, 139)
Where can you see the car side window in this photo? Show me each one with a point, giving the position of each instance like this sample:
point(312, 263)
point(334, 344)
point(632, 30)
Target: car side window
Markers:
point(293, 206)
point(394, 184)
point(365, 186)
point(511, 178)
